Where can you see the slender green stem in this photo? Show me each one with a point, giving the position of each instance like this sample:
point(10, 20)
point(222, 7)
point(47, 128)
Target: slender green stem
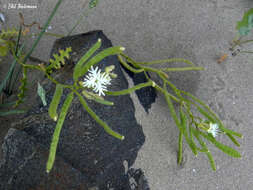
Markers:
point(129, 90)
point(97, 119)
point(37, 60)
point(48, 34)
point(163, 91)
point(43, 30)
point(183, 69)
point(128, 58)
point(11, 82)
point(172, 60)
point(128, 66)
point(56, 82)
point(211, 115)
point(84, 14)
point(54, 34)
point(3, 84)
point(236, 41)
point(18, 40)
point(57, 131)
point(154, 70)
point(245, 42)
point(180, 148)
point(246, 51)
point(12, 112)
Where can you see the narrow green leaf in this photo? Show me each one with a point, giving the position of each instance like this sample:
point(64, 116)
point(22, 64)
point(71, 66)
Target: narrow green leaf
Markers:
point(183, 119)
point(172, 110)
point(180, 148)
point(233, 139)
point(5, 113)
point(96, 98)
point(129, 90)
point(178, 123)
point(211, 160)
point(214, 119)
point(204, 113)
point(172, 60)
point(128, 67)
point(211, 115)
point(207, 152)
point(87, 55)
point(7, 104)
point(183, 69)
point(98, 120)
point(226, 149)
point(13, 64)
point(192, 139)
point(52, 111)
point(42, 94)
point(96, 59)
point(57, 131)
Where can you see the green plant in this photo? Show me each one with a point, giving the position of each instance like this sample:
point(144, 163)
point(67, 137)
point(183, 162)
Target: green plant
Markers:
point(244, 27)
point(192, 128)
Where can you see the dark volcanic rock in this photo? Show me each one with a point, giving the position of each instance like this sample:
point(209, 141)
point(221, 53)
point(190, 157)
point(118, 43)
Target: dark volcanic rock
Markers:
point(146, 95)
point(84, 145)
point(23, 166)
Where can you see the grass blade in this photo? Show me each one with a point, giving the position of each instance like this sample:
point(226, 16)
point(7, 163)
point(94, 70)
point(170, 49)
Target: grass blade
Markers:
point(7, 104)
point(13, 64)
point(5, 113)
point(43, 30)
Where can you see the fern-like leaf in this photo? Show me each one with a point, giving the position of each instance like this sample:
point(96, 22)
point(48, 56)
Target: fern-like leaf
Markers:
point(22, 88)
point(9, 33)
point(59, 59)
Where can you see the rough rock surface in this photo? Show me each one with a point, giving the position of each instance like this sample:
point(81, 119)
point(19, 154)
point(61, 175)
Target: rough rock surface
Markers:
point(90, 158)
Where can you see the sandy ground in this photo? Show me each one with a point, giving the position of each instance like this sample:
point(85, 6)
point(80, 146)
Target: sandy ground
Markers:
point(198, 30)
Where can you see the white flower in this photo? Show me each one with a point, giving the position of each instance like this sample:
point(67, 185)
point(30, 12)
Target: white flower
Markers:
point(97, 81)
point(213, 129)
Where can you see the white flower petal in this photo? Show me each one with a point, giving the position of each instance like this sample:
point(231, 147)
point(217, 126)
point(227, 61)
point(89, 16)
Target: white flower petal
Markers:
point(97, 80)
point(213, 129)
